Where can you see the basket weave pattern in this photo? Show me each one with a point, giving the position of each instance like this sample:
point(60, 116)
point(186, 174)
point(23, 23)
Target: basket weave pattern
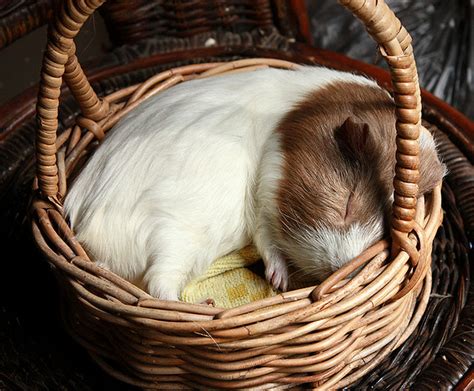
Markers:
point(183, 19)
point(328, 336)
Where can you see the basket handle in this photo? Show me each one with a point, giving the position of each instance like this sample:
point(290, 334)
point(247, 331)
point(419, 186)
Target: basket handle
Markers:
point(61, 62)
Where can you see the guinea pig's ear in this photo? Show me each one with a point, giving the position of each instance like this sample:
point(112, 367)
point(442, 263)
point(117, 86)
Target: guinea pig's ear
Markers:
point(352, 138)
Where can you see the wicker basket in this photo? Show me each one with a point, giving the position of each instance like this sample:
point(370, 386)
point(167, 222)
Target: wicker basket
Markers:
point(326, 336)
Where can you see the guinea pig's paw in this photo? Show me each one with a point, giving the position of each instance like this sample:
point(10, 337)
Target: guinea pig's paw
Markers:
point(163, 294)
point(276, 272)
point(163, 289)
point(209, 301)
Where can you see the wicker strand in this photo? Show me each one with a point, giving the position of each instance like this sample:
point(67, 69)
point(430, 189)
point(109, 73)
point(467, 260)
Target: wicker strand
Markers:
point(72, 15)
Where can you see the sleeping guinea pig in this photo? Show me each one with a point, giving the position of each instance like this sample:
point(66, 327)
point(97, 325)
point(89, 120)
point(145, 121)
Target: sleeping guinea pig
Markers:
point(299, 162)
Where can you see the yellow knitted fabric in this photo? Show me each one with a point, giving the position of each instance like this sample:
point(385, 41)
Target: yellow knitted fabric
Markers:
point(228, 282)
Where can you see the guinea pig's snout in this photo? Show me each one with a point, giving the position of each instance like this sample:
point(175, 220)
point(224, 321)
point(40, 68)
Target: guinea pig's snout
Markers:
point(343, 245)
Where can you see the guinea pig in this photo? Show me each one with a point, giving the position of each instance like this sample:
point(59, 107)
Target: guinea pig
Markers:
point(300, 163)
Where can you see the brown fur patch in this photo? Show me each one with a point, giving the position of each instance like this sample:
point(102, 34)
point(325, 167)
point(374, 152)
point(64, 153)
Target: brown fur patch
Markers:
point(327, 178)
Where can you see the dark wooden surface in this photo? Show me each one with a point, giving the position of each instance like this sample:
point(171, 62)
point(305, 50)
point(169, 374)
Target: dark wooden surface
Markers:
point(19, 17)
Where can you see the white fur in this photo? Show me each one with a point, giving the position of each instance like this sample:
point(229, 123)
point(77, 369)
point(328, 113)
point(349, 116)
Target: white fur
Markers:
point(265, 236)
point(322, 251)
point(426, 140)
point(173, 186)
